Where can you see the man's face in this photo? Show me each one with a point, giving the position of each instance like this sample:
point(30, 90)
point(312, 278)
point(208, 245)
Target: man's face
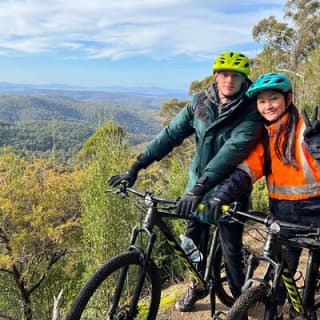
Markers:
point(228, 82)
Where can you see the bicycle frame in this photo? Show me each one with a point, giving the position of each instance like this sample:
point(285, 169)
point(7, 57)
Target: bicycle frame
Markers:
point(281, 271)
point(154, 217)
point(275, 257)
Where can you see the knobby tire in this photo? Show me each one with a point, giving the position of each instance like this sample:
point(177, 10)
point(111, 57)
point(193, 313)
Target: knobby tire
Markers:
point(102, 276)
point(254, 302)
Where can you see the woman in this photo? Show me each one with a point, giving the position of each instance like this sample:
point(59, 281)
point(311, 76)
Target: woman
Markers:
point(287, 156)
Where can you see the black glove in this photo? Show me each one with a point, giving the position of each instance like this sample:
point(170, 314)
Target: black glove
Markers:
point(188, 204)
point(214, 206)
point(190, 201)
point(312, 133)
point(131, 175)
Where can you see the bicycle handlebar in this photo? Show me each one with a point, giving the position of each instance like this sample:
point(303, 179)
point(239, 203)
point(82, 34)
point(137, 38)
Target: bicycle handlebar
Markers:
point(228, 211)
point(123, 190)
point(232, 212)
point(167, 211)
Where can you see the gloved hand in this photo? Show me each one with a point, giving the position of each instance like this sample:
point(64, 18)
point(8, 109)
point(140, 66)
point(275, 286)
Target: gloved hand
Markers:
point(312, 133)
point(214, 206)
point(188, 204)
point(313, 125)
point(190, 201)
point(131, 175)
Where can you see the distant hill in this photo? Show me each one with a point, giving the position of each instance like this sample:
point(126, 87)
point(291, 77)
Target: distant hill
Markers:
point(103, 93)
point(41, 120)
point(132, 115)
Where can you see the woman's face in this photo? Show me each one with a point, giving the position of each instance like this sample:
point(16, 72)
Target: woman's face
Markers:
point(272, 104)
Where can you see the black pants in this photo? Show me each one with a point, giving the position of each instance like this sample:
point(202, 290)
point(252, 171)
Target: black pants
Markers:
point(231, 244)
point(306, 212)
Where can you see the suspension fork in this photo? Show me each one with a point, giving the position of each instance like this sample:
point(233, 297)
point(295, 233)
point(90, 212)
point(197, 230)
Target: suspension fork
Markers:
point(312, 275)
point(208, 272)
point(144, 257)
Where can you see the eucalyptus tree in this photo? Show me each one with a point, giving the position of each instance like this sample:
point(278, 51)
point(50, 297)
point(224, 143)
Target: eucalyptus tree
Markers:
point(292, 40)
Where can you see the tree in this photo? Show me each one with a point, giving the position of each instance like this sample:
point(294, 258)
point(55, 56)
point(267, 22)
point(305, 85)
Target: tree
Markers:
point(198, 86)
point(291, 42)
point(106, 220)
point(308, 88)
point(39, 206)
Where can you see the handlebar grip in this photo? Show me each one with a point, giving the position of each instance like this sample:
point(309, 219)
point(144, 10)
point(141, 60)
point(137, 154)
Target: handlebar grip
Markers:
point(225, 207)
point(201, 207)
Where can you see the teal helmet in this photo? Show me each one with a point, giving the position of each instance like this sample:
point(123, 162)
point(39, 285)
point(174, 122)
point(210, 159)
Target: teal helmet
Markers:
point(270, 81)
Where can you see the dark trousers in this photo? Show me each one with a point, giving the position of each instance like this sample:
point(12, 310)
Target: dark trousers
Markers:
point(305, 212)
point(231, 244)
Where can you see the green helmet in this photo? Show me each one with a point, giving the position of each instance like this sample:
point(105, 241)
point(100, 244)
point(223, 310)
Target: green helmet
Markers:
point(233, 61)
point(269, 81)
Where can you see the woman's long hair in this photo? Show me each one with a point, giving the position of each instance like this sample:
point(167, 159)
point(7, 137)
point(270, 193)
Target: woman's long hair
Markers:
point(287, 153)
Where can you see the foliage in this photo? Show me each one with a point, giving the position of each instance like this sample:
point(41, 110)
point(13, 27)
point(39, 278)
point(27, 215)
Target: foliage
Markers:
point(105, 219)
point(51, 139)
point(38, 209)
point(259, 196)
point(57, 127)
point(293, 41)
point(198, 86)
point(292, 47)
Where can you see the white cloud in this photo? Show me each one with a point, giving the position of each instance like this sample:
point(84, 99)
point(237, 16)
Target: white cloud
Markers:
point(116, 29)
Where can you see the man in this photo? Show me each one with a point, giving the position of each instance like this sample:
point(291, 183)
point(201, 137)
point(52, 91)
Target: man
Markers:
point(226, 127)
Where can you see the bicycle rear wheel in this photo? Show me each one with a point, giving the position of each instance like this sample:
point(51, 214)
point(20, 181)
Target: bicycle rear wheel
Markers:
point(222, 288)
point(96, 297)
point(254, 303)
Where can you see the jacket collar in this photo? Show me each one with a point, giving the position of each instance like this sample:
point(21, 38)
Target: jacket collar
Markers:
point(212, 95)
point(277, 126)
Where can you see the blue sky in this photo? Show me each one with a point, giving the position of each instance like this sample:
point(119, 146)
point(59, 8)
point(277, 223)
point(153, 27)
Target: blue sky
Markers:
point(163, 43)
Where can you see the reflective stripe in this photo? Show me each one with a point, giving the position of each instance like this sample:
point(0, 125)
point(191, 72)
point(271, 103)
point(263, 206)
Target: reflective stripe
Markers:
point(307, 170)
point(310, 189)
point(243, 166)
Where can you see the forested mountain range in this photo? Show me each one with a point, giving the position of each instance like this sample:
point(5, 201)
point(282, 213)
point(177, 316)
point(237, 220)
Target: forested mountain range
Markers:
point(37, 120)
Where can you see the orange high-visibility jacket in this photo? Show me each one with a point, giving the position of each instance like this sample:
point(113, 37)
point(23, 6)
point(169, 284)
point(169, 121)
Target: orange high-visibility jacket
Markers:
point(285, 182)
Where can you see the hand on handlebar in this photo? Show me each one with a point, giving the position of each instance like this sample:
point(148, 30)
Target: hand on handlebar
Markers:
point(128, 177)
point(192, 199)
point(188, 204)
point(214, 205)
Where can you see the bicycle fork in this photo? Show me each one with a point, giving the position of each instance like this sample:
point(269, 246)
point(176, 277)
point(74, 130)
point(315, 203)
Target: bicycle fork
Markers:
point(212, 283)
point(144, 256)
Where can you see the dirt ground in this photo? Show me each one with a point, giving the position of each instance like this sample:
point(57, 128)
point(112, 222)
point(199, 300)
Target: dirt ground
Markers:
point(201, 310)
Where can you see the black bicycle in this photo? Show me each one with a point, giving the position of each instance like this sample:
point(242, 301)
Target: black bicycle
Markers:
point(260, 291)
point(128, 286)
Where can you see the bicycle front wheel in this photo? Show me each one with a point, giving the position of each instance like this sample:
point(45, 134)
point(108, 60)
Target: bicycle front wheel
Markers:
point(102, 292)
point(254, 303)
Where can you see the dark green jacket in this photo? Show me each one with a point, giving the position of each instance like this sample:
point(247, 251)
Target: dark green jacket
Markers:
point(224, 134)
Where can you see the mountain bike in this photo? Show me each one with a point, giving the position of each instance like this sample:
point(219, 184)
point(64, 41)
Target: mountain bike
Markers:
point(260, 292)
point(128, 285)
